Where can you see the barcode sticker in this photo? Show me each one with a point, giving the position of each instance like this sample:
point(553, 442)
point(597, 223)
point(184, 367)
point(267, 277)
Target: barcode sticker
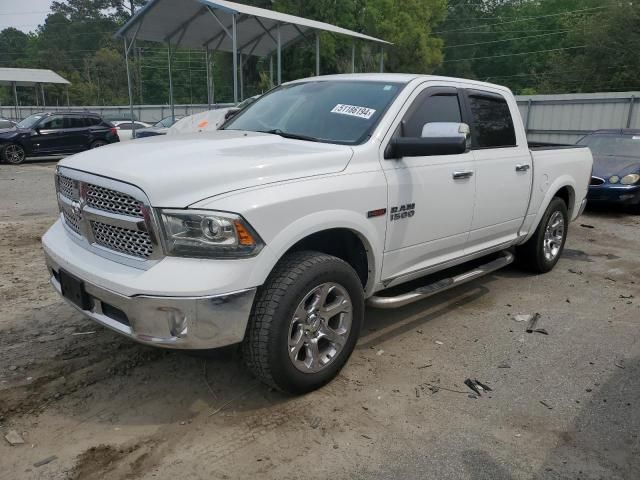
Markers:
point(353, 111)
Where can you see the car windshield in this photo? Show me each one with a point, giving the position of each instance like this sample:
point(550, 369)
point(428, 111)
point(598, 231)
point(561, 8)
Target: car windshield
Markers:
point(343, 112)
point(30, 121)
point(166, 122)
point(613, 145)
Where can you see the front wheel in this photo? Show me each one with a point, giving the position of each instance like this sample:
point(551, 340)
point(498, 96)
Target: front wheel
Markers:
point(14, 154)
point(305, 322)
point(542, 251)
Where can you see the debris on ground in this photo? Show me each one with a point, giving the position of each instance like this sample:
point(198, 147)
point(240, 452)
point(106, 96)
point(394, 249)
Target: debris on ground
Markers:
point(477, 386)
point(315, 422)
point(426, 365)
point(522, 318)
point(586, 225)
point(438, 342)
point(546, 404)
point(504, 365)
point(14, 438)
point(577, 272)
point(83, 333)
point(44, 461)
point(531, 328)
point(379, 352)
point(626, 296)
point(619, 363)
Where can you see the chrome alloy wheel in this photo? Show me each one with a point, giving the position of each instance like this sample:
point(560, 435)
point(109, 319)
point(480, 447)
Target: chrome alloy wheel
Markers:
point(320, 327)
point(553, 236)
point(14, 154)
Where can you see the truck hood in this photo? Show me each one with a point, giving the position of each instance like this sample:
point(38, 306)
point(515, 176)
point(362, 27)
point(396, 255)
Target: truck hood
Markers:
point(177, 171)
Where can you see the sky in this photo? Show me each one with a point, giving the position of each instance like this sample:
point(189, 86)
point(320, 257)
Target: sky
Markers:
point(24, 15)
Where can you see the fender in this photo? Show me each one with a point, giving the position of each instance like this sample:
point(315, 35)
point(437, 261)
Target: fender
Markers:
point(530, 226)
point(318, 222)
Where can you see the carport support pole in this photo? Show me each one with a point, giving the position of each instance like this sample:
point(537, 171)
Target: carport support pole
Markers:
point(317, 54)
point(271, 71)
point(206, 64)
point(234, 41)
point(126, 61)
point(173, 108)
point(44, 103)
point(67, 91)
point(15, 97)
point(241, 63)
point(381, 59)
point(353, 58)
point(279, 42)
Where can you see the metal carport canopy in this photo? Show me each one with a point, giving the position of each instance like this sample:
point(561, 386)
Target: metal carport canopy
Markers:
point(29, 77)
point(193, 24)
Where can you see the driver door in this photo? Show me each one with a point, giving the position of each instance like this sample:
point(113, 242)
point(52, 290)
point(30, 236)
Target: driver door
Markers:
point(433, 195)
point(50, 136)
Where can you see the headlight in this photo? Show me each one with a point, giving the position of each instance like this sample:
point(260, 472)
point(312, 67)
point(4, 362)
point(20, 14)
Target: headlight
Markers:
point(630, 179)
point(614, 179)
point(209, 234)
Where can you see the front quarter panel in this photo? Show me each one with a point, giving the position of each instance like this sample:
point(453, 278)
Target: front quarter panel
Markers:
point(286, 213)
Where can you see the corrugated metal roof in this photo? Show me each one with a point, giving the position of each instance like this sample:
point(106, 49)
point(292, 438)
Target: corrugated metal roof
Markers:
point(25, 77)
point(193, 25)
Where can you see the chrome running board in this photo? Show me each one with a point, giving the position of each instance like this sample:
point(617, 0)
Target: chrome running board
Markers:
point(441, 285)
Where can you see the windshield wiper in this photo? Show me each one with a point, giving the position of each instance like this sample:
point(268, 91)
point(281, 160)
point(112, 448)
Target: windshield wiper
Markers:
point(295, 136)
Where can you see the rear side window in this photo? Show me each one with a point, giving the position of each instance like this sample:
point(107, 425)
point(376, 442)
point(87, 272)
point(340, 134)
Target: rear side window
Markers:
point(492, 125)
point(92, 121)
point(125, 126)
point(74, 122)
point(431, 108)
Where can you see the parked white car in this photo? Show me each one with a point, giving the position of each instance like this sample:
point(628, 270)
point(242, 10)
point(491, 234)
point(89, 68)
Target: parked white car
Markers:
point(317, 198)
point(125, 128)
point(208, 121)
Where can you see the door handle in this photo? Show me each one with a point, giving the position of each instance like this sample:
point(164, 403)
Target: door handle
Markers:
point(522, 167)
point(459, 175)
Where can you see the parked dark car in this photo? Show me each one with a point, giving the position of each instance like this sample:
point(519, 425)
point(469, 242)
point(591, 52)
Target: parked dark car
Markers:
point(616, 166)
point(159, 128)
point(55, 133)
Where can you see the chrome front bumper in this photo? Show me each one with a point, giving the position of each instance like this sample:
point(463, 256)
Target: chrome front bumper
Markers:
point(170, 322)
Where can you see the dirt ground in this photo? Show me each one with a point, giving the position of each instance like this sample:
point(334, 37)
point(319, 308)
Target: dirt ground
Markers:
point(563, 405)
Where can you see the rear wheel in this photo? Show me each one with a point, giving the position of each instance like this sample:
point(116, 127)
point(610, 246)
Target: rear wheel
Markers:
point(542, 251)
point(14, 154)
point(305, 322)
point(98, 143)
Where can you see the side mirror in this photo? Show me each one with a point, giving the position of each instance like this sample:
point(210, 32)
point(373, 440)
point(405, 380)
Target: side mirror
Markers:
point(438, 138)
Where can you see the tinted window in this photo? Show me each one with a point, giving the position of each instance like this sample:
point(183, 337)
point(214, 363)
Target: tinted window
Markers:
point(431, 108)
point(125, 126)
point(52, 123)
point(492, 125)
point(74, 122)
point(92, 121)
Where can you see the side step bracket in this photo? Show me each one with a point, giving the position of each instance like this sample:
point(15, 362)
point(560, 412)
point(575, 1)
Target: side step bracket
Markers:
point(441, 285)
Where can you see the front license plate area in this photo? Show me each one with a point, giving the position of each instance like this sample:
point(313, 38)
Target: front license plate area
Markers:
point(73, 290)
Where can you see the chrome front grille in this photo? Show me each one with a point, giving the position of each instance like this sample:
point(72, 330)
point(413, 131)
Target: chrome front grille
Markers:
point(67, 187)
point(124, 240)
point(109, 200)
point(108, 216)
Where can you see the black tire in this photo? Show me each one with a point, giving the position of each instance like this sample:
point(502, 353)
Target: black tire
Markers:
point(14, 154)
point(531, 255)
point(98, 144)
point(265, 348)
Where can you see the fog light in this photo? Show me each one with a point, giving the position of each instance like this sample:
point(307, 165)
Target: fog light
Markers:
point(177, 321)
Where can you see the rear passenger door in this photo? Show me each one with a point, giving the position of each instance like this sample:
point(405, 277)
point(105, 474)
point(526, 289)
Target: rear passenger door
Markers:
point(77, 132)
point(503, 168)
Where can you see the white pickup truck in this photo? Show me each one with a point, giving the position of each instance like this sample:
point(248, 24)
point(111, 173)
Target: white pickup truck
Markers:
point(318, 198)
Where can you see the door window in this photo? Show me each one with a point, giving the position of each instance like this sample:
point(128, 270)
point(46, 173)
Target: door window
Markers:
point(75, 122)
point(428, 108)
point(52, 123)
point(492, 125)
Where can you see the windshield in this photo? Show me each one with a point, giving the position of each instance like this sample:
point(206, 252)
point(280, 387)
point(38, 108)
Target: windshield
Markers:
point(342, 112)
point(613, 145)
point(166, 122)
point(30, 121)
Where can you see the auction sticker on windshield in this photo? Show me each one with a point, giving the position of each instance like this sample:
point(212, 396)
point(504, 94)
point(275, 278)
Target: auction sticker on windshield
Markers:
point(353, 111)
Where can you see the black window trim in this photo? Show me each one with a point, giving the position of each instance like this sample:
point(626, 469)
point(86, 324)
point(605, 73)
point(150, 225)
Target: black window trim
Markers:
point(467, 115)
point(427, 92)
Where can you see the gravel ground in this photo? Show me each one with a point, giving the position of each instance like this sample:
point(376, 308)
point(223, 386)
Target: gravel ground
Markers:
point(563, 405)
